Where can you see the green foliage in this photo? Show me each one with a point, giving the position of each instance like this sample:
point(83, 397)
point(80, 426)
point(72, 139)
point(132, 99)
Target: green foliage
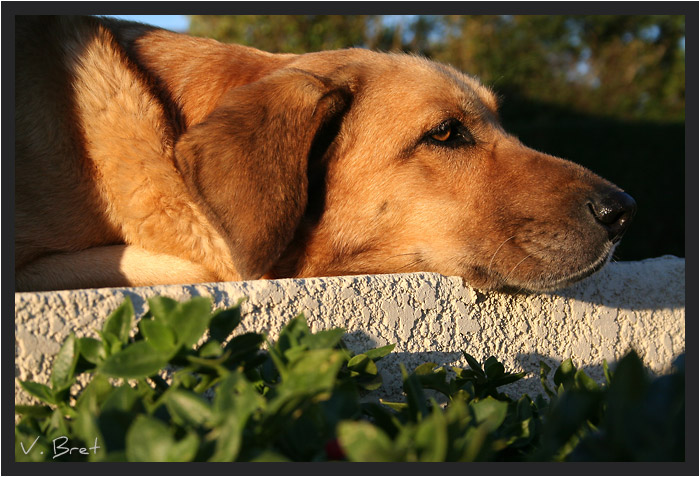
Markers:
point(599, 64)
point(299, 400)
point(634, 64)
point(284, 33)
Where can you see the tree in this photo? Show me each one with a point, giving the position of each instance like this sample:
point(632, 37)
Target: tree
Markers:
point(628, 66)
point(624, 66)
point(285, 33)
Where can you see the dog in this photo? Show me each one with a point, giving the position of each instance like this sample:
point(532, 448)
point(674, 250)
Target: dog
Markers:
point(148, 157)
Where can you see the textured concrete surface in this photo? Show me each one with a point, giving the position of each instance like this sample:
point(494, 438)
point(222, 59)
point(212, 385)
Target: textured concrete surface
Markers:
point(430, 317)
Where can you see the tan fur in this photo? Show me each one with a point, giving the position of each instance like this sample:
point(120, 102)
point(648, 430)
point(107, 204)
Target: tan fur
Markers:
point(148, 157)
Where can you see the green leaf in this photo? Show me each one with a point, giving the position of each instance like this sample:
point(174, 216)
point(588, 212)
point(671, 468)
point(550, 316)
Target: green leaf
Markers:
point(92, 350)
point(396, 406)
point(565, 419)
point(160, 307)
point(215, 363)
point(211, 349)
point(118, 324)
point(57, 424)
point(223, 322)
point(564, 375)
point(185, 378)
point(121, 398)
point(228, 437)
point(364, 442)
point(344, 403)
point(147, 440)
point(62, 372)
point(290, 336)
point(364, 372)
point(630, 381)
point(544, 375)
point(433, 378)
point(235, 400)
point(159, 335)
point(111, 344)
point(323, 339)
point(464, 394)
point(378, 353)
point(607, 372)
point(244, 345)
point(187, 408)
point(414, 395)
point(383, 418)
point(315, 371)
point(38, 412)
point(94, 394)
point(425, 368)
point(311, 377)
point(135, 361)
point(235, 394)
point(524, 407)
point(185, 449)
point(86, 429)
point(474, 364)
point(494, 369)
point(508, 378)
point(584, 381)
point(431, 436)
point(150, 440)
point(476, 439)
point(490, 412)
point(370, 384)
point(362, 364)
point(190, 320)
point(116, 415)
point(38, 390)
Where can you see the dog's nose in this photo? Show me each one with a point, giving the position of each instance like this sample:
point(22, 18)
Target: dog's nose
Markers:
point(614, 210)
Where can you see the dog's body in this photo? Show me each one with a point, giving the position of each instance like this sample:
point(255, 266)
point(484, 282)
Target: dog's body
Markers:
point(149, 157)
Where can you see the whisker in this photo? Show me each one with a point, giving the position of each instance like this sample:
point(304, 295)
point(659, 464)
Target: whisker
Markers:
point(494, 253)
point(403, 254)
point(409, 265)
point(505, 280)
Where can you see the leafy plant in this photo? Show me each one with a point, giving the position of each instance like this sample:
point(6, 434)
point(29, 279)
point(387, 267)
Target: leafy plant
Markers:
point(173, 392)
point(279, 404)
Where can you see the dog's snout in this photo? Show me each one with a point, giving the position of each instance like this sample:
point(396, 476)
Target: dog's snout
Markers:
point(614, 210)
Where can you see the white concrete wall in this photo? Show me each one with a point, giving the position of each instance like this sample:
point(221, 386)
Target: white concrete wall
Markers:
point(430, 317)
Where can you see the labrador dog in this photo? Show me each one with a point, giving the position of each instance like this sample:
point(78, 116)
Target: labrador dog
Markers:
point(148, 157)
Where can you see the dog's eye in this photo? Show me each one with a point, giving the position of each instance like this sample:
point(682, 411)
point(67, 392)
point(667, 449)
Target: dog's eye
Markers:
point(442, 136)
point(450, 133)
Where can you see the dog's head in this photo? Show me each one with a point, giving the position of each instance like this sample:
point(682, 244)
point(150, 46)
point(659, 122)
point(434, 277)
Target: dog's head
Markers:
point(356, 162)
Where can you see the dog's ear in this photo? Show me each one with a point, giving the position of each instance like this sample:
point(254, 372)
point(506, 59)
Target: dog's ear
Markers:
point(246, 163)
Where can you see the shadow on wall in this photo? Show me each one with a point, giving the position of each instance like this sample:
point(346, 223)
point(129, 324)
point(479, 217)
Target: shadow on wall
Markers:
point(530, 384)
point(637, 291)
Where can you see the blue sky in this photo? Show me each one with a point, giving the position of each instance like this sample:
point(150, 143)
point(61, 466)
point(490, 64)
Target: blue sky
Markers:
point(170, 22)
point(180, 23)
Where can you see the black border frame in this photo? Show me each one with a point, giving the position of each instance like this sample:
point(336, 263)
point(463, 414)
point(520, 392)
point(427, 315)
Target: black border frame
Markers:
point(688, 8)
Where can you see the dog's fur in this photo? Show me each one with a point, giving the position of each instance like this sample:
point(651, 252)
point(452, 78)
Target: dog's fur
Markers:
point(149, 157)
